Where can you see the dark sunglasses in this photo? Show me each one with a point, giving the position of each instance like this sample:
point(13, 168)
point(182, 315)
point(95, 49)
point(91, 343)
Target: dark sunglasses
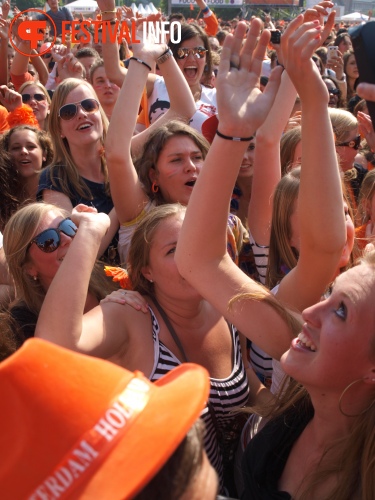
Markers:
point(197, 52)
point(354, 143)
point(48, 55)
point(69, 111)
point(38, 97)
point(334, 91)
point(49, 240)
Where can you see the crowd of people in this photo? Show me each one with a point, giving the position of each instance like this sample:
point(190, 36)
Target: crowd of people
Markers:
point(187, 267)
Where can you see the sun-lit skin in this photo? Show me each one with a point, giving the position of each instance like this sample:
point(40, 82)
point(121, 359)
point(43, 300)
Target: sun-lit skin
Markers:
point(345, 44)
point(26, 153)
point(84, 129)
point(340, 329)
point(191, 66)
point(40, 108)
point(177, 169)
point(162, 268)
point(106, 91)
point(45, 265)
point(347, 154)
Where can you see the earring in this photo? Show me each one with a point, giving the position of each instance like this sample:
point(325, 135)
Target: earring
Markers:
point(151, 281)
point(154, 187)
point(35, 278)
point(343, 394)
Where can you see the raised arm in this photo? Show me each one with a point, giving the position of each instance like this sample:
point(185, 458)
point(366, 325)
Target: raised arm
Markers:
point(320, 201)
point(201, 255)
point(127, 192)
point(267, 169)
point(68, 292)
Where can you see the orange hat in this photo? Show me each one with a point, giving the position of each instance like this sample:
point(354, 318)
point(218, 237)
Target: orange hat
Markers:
point(74, 426)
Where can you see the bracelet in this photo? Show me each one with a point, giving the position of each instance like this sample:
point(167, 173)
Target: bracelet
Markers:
point(236, 139)
point(164, 57)
point(108, 11)
point(140, 62)
point(205, 10)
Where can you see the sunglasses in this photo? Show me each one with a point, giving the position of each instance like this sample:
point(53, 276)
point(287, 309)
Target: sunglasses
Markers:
point(38, 97)
point(49, 240)
point(334, 91)
point(48, 55)
point(198, 52)
point(354, 143)
point(69, 111)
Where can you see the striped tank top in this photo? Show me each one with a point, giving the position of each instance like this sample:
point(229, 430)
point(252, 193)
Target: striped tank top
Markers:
point(226, 395)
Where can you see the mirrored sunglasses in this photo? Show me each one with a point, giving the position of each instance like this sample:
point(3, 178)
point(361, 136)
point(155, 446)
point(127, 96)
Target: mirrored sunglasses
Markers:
point(69, 111)
point(38, 97)
point(49, 240)
point(354, 143)
point(197, 52)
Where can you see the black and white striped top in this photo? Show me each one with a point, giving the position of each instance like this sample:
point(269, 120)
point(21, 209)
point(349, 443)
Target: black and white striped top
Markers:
point(226, 395)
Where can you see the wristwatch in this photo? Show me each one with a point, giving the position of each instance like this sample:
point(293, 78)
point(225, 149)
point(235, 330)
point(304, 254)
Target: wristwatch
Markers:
point(164, 57)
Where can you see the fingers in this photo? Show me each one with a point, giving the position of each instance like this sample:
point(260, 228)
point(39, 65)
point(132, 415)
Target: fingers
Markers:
point(328, 26)
point(366, 91)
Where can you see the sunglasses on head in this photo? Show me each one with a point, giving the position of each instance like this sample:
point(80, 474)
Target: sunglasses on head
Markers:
point(38, 97)
point(197, 52)
point(354, 143)
point(334, 91)
point(69, 111)
point(49, 240)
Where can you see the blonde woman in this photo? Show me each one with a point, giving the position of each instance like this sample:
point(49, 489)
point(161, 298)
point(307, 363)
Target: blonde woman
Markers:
point(303, 450)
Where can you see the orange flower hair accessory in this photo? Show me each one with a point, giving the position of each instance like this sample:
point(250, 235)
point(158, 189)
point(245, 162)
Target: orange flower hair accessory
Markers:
point(119, 274)
point(23, 115)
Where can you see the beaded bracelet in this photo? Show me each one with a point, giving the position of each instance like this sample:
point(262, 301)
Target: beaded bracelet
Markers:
point(140, 62)
point(236, 139)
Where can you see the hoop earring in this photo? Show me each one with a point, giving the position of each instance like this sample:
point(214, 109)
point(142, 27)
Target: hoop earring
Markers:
point(342, 397)
point(154, 187)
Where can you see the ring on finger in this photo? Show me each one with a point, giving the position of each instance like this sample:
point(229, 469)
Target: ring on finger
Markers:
point(123, 292)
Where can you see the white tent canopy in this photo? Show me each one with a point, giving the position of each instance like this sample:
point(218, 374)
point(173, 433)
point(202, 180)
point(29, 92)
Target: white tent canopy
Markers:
point(354, 16)
point(82, 6)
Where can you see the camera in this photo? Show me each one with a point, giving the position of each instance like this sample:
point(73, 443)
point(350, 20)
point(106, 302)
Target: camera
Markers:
point(275, 37)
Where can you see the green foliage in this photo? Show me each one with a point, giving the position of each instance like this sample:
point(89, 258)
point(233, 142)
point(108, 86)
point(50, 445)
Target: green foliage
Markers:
point(30, 4)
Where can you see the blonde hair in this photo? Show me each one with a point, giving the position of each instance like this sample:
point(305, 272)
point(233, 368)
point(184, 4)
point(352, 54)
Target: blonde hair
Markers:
point(343, 122)
point(281, 253)
point(139, 252)
point(63, 165)
point(18, 233)
point(288, 144)
point(44, 91)
point(366, 194)
point(350, 458)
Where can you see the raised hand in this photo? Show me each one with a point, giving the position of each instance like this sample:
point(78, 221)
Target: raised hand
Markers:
point(242, 106)
point(147, 49)
point(5, 9)
point(298, 44)
point(69, 67)
point(4, 29)
point(318, 13)
point(10, 99)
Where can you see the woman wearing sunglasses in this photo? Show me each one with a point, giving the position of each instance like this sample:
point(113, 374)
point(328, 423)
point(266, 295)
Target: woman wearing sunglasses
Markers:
point(193, 56)
point(348, 142)
point(78, 173)
point(178, 326)
point(335, 95)
point(35, 95)
point(36, 240)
